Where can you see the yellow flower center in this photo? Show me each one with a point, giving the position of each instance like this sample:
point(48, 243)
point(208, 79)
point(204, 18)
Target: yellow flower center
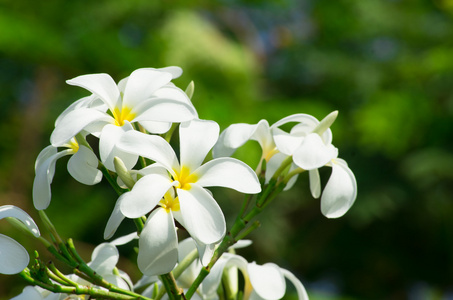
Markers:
point(269, 154)
point(73, 145)
point(169, 203)
point(185, 178)
point(123, 114)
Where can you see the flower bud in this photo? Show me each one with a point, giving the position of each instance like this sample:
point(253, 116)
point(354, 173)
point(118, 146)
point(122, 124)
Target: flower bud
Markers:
point(123, 173)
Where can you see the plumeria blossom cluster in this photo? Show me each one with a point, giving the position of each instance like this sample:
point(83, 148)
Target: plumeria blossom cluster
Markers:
point(165, 192)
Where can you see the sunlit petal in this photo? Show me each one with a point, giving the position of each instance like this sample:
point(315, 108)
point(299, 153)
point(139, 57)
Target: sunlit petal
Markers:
point(83, 166)
point(19, 214)
point(301, 292)
point(212, 281)
point(115, 219)
point(108, 140)
point(313, 153)
point(150, 146)
point(13, 257)
point(85, 102)
point(286, 143)
point(196, 140)
point(267, 280)
point(307, 121)
point(315, 183)
point(125, 239)
point(44, 155)
point(230, 173)
point(164, 110)
point(158, 244)
point(104, 258)
point(101, 85)
point(156, 127)
point(145, 195)
point(75, 121)
point(233, 137)
point(141, 85)
point(203, 217)
point(43, 179)
point(340, 191)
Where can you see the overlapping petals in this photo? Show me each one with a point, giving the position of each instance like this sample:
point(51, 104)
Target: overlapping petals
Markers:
point(191, 204)
point(13, 256)
point(146, 96)
point(82, 166)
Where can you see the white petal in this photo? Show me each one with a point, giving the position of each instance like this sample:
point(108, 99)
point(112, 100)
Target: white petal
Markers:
point(19, 214)
point(228, 172)
point(202, 216)
point(156, 127)
point(104, 258)
point(285, 142)
point(150, 146)
point(101, 85)
point(267, 280)
point(233, 137)
point(273, 164)
point(307, 121)
point(83, 166)
point(125, 239)
point(75, 121)
point(173, 70)
point(313, 153)
point(145, 195)
point(44, 155)
point(196, 140)
point(85, 102)
point(117, 281)
point(13, 257)
point(241, 244)
point(301, 292)
point(315, 183)
point(29, 293)
point(43, 179)
point(263, 136)
point(141, 85)
point(157, 250)
point(110, 136)
point(164, 110)
point(205, 252)
point(340, 191)
point(173, 93)
point(212, 281)
point(188, 276)
point(293, 179)
point(115, 219)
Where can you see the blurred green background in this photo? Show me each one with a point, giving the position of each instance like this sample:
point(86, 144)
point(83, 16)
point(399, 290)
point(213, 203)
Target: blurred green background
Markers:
point(386, 65)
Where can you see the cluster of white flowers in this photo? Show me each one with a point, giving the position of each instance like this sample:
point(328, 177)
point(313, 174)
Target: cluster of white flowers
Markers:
point(134, 121)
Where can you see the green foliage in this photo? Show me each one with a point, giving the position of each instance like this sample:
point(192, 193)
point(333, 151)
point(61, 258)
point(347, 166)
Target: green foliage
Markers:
point(385, 65)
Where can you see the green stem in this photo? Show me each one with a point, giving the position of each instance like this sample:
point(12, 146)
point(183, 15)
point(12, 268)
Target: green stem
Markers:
point(78, 290)
point(110, 179)
point(185, 263)
point(282, 167)
point(96, 278)
point(169, 282)
point(170, 132)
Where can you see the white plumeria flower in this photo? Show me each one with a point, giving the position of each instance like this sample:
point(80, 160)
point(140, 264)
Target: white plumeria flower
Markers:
point(178, 189)
point(82, 166)
point(309, 142)
point(261, 282)
point(104, 259)
point(146, 96)
point(13, 256)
